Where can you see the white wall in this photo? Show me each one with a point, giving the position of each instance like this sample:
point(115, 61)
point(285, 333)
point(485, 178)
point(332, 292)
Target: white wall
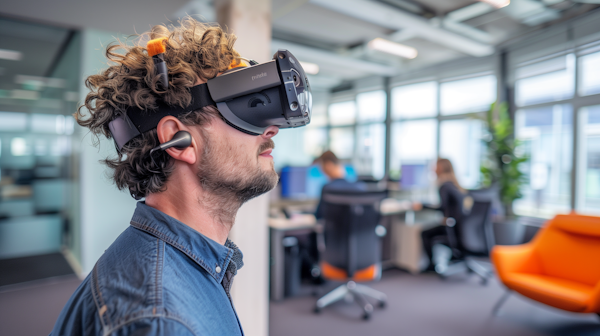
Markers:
point(105, 211)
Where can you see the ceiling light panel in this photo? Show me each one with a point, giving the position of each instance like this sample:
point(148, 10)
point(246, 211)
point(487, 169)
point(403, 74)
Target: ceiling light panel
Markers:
point(393, 48)
point(497, 3)
point(310, 68)
point(10, 55)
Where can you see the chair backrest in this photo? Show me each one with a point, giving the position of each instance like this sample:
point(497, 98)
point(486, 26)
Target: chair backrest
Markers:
point(471, 232)
point(351, 243)
point(568, 247)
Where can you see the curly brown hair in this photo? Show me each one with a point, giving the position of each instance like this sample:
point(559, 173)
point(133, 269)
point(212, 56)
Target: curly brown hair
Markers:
point(194, 51)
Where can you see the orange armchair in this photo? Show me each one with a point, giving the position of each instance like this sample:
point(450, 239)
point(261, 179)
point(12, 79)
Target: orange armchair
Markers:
point(560, 267)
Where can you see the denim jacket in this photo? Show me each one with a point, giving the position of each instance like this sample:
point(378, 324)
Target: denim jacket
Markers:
point(160, 277)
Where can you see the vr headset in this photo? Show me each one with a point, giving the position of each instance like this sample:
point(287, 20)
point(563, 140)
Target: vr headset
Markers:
point(250, 99)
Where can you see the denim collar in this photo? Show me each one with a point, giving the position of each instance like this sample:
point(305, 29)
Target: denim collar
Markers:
point(207, 253)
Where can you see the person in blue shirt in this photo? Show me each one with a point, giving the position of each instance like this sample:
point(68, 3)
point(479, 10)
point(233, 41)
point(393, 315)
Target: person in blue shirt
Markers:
point(170, 272)
point(331, 166)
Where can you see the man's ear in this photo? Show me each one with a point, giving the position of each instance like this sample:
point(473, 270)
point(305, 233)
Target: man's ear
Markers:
point(166, 129)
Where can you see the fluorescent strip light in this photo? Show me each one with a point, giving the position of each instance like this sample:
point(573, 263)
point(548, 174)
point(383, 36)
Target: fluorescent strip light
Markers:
point(393, 48)
point(10, 55)
point(310, 68)
point(25, 94)
point(497, 3)
point(40, 81)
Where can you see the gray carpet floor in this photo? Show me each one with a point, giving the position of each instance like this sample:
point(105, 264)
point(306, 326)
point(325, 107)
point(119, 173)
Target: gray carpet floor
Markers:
point(420, 305)
point(30, 309)
point(425, 305)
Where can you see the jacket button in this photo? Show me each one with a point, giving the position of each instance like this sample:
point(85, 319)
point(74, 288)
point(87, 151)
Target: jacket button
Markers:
point(218, 269)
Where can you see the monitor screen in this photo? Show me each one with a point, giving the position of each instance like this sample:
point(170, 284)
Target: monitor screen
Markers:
point(307, 182)
point(414, 176)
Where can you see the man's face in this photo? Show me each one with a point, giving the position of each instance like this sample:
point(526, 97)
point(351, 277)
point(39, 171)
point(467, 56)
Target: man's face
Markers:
point(236, 163)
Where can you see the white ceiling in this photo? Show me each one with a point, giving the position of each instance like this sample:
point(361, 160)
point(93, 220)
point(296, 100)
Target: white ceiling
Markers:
point(331, 33)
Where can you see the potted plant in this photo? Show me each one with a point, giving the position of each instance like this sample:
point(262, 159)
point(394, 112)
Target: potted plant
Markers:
point(501, 169)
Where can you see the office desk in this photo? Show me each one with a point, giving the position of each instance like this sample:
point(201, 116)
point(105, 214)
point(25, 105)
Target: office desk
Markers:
point(401, 248)
point(407, 244)
point(279, 228)
point(404, 227)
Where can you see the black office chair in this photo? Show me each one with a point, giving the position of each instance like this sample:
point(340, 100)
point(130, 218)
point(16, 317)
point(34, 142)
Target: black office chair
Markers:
point(465, 240)
point(352, 247)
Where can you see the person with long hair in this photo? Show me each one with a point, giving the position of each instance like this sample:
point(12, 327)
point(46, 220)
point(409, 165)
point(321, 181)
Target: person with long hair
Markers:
point(452, 197)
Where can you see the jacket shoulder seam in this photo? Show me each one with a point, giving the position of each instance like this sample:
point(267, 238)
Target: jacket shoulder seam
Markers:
point(157, 316)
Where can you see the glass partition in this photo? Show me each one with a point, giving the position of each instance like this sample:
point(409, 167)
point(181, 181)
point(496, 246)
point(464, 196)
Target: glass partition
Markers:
point(38, 185)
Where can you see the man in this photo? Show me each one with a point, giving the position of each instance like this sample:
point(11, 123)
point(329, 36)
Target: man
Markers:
point(335, 171)
point(171, 271)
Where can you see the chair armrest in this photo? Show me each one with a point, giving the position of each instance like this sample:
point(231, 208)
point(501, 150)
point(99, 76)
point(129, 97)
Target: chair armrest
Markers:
point(514, 258)
point(595, 300)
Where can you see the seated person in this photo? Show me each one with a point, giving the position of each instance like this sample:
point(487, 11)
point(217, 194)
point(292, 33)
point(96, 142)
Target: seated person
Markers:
point(335, 171)
point(452, 196)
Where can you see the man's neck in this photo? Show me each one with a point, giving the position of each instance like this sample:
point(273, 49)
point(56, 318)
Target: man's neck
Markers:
point(211, 215)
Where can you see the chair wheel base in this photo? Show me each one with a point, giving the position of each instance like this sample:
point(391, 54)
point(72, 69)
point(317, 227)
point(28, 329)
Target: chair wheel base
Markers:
point(366, 316)
point(382, 304)
point(317, 310)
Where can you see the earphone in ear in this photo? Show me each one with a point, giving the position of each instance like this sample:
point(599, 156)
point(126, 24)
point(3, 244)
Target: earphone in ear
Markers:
point(181, 140)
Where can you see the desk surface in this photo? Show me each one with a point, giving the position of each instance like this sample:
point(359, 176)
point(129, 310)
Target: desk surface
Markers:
point(299, 221)
point(390, 206)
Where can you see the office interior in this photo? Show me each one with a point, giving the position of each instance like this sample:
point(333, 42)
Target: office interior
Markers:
point(396, 85)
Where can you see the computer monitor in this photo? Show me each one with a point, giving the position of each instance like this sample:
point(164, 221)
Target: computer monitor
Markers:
point(351, 175)
point(301, 182)
point(414, 176)
point(307, 182)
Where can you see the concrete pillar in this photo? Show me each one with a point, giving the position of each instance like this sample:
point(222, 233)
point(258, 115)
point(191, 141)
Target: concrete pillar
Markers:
point(251, 22)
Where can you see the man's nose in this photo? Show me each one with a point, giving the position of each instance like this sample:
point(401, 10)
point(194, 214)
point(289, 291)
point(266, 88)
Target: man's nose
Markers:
point(270, 132)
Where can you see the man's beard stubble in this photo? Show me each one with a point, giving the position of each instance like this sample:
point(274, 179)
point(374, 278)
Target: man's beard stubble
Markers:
point(229, 180)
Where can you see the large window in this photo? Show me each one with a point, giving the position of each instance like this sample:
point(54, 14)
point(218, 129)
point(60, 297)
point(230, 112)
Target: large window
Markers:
point(341, 142)
point(300, 146)
point(460, 142)
point(419, 117)
point(341, 139)
point(589, 80)
point(467, 95)
point(588, 177)
point(341, 114)
point(413, 142)
point(414, 133)
point(547, 81)
point(444, 117)
point(546, 133)
point(370, 150)
point(415, 100)
point(371, 106)
point(369, 158)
